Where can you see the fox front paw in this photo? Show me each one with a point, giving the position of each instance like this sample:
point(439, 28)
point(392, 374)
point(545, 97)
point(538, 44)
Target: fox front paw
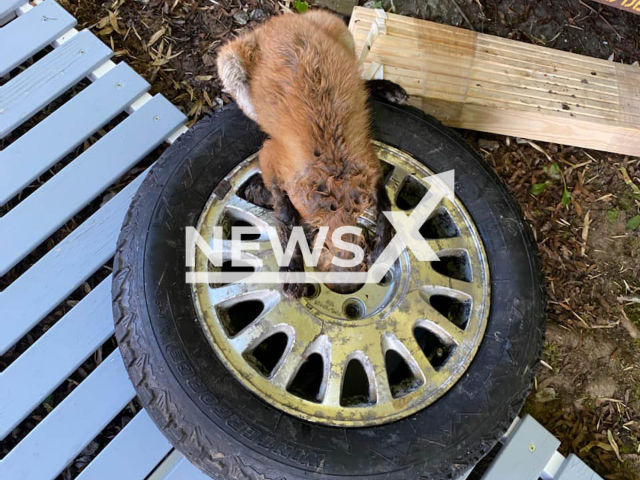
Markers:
point(387, 90)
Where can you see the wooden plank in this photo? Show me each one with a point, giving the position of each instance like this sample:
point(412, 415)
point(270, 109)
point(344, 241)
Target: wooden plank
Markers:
point(132, 454)
point(8, 6)
point(415, 28)
point(66, 128)
point(481, 51)
point(527, 451)
point(29, 224)
point(502, 62)
point(63, 269)
point(528, 125)
point(481, 82)
point(69, 428)
point(177, 467)
point(496, 50)
point(55, 356)
point(29, 33)
point(48, 78)
point(575, 469)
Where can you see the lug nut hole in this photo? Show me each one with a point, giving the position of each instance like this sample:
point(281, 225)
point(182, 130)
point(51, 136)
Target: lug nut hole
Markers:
point(311, 290)
point(353, 309)
point(386, 280)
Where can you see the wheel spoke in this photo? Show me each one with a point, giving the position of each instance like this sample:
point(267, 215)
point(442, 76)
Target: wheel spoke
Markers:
point(439, 280)
point(248, 337)
point(442, 327)
point(417, 358)
point(334, 388)
point(410, 351)
point(451, 243)
point(289, 366)
point(232, 291)
point(424, 275)
point(430, 318)
point(377, 359)
point(394, 184)
point(258, 216)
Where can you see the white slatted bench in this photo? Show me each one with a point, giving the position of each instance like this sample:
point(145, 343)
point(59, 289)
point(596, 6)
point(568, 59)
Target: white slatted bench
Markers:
point(139, 450)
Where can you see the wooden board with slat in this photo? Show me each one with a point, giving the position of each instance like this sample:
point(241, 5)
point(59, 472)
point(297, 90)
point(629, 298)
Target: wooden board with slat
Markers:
point(486, 83)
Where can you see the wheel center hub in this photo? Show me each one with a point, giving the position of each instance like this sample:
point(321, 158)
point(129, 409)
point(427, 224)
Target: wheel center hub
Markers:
point(371, 301)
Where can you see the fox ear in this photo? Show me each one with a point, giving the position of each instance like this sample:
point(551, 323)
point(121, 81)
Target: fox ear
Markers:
point(235, 62)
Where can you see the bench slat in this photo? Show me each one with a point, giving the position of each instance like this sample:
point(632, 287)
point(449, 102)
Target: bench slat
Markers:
point(62, 131)
point(177, 467)
point(55, 356)
point(48, 78)
point(132, 454)
point(28, 224)
point(63, 269)
point(575, 469)
point(31, 32)
point(526, 452)
point(8, 6)
point(69, 428)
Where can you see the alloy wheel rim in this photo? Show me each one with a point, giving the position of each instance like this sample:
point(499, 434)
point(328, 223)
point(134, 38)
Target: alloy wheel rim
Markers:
point(352, 360)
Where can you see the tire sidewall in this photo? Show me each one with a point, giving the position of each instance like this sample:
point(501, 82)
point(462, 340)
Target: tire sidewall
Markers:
point(227, 431)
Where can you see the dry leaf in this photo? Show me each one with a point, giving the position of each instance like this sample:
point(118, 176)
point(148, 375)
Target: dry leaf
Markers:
point(196, 108)
point(596, 443)
point(207, 98)
point(160, 61)
point(204, 78)
point(613, 443)
point(538, 148)
point(114, 21)
point(156, 36)
point(103, 22)
point(105, 31)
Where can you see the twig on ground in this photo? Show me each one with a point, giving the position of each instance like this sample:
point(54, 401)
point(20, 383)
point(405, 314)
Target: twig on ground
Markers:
point(598, 14)
point(585, 234)
point(463, 15)
point(629, 326)
point(627, 298)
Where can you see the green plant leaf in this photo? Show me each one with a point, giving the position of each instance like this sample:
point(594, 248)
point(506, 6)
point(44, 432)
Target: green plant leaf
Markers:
point(553, 171)
point(566, 197)
point(538, 188)
point(377, 4)
point(633, 223)
point(612, 215)
point(301, 7)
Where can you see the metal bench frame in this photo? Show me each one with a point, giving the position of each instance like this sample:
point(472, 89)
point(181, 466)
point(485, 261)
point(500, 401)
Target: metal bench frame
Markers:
point(139, 450)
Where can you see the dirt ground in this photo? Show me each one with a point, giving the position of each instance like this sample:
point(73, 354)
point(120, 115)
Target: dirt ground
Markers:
point(588, 389)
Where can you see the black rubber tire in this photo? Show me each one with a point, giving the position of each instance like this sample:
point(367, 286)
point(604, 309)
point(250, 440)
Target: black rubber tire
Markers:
point(231, 434)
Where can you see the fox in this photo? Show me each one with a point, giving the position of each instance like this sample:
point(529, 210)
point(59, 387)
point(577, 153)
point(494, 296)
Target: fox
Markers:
point(297, 77)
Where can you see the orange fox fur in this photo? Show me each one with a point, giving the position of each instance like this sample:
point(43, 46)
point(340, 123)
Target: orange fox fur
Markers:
point(297, 77)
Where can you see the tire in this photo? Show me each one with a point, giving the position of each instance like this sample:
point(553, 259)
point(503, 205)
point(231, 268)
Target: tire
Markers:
point(228, 432)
